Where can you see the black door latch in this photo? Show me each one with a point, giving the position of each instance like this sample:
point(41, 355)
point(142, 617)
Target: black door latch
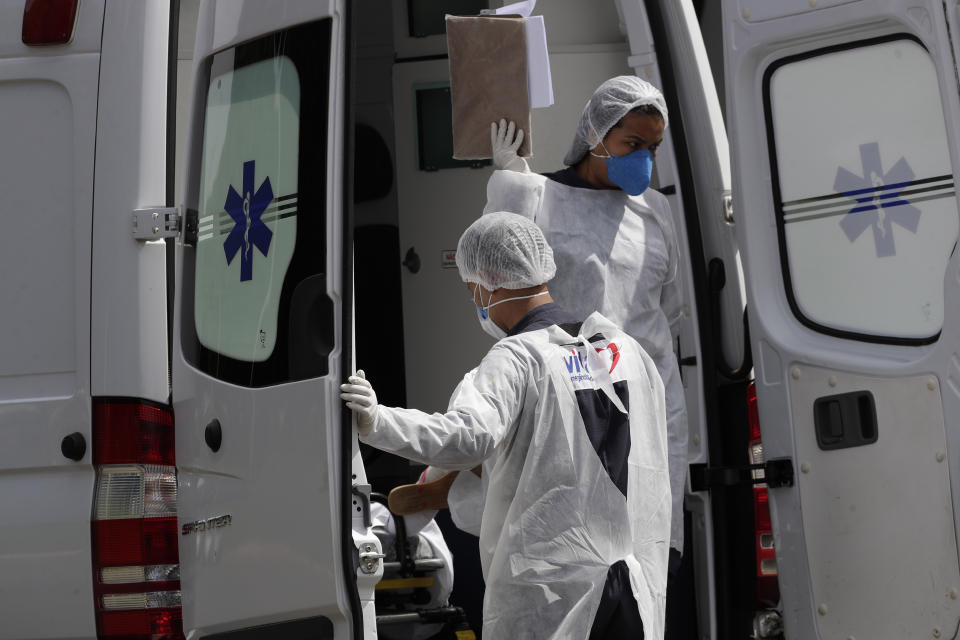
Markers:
point(774, 473)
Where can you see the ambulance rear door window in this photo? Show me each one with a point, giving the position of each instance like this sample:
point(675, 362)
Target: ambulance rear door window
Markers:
point(259, 207)
point(863, 189)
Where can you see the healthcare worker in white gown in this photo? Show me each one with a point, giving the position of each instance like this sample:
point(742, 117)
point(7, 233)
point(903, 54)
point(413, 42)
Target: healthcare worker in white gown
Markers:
point(613, 236)
point(567, 420)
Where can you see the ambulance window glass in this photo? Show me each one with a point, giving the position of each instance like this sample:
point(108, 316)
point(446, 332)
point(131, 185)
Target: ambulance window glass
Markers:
point(864, 189)
point(256, 199)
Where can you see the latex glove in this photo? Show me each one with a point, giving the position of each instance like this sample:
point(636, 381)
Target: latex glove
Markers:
point(505, 146)
point(362, 400)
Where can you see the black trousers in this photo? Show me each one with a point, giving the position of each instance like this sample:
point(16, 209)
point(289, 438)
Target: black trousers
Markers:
point(618, 617)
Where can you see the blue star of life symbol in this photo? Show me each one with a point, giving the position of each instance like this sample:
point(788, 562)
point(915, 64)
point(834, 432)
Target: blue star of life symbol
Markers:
point(248, 230)
point(879, 204)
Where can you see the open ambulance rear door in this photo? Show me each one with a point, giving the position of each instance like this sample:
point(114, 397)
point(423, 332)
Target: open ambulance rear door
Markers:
point(260, 337)
point(844, 121)
point(667, 48)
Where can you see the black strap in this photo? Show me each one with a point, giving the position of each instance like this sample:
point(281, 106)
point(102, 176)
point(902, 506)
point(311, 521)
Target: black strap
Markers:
point(573, 328)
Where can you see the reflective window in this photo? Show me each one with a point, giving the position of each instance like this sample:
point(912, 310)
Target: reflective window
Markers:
point(255, 256)
point(863, 182)
point(248, 207)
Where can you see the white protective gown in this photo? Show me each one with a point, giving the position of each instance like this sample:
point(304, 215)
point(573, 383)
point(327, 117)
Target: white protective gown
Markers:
point(553, 521)
point(616, 254)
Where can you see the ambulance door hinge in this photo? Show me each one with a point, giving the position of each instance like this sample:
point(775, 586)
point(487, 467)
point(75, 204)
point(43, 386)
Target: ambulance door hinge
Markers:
point(156, 223)
point(774, 473)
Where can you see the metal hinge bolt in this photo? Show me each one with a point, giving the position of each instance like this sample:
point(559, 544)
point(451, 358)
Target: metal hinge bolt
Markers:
point(370, 557)
point(156, 223)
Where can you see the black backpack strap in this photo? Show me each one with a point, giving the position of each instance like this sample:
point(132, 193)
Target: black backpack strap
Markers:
point(573, 328)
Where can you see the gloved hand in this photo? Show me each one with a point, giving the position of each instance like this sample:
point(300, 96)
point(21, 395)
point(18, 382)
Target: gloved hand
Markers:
point(505, 146)
point(360, 398)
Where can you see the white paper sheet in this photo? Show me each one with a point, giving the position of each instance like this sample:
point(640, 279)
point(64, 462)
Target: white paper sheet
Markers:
point(524, 8)
point(539, 81)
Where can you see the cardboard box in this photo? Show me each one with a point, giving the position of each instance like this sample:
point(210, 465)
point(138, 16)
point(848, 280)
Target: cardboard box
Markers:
point(488, 81)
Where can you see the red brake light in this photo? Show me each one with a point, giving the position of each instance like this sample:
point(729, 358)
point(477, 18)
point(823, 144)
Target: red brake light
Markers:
point(136, 571)
point(47, 22)
point(132, 432)
point(142, 624)
point(135, 541)
point(761, 509)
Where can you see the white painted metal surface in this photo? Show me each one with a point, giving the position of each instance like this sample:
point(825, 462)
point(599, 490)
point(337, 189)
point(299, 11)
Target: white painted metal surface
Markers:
point(879, 511)
point(782, 343)
point(278, 471)
point(433, 210)
point(128, 355)
point(49, 98)
point(762, 10)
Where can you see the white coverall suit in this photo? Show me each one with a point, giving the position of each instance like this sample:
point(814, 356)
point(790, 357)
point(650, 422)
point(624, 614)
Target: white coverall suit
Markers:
point(616, 254)
point(553, 521)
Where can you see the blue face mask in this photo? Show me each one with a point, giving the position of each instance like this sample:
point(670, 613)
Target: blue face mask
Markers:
point(632, 171)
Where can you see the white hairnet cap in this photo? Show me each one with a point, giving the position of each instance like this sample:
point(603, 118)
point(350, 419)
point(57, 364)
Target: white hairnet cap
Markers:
point(504, 250)
point(611, 101)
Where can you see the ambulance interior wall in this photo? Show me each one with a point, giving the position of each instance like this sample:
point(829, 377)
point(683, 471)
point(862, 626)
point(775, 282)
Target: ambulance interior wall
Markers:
point(586, 47)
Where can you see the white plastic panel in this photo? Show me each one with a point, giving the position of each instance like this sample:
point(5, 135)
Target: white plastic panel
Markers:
point(225, 22)
point(38, 288)
point(878, 518)
point(762, 10)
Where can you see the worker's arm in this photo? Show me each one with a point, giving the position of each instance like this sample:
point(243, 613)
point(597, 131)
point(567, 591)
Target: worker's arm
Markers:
point(484, 407)
point(520, 193)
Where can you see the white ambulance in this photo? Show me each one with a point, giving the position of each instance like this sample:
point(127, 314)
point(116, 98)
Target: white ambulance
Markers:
point(213, 211)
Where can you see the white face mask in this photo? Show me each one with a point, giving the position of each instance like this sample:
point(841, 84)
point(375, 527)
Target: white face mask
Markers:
point(488, 325)
point(483, 312)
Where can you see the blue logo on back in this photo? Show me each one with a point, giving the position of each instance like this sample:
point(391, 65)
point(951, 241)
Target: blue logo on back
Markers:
point(249, 230)
point(878, 199)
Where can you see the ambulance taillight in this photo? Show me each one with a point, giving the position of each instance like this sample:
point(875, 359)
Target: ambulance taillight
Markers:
point(136, 570)
point(48, 22)
point(768, 589)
